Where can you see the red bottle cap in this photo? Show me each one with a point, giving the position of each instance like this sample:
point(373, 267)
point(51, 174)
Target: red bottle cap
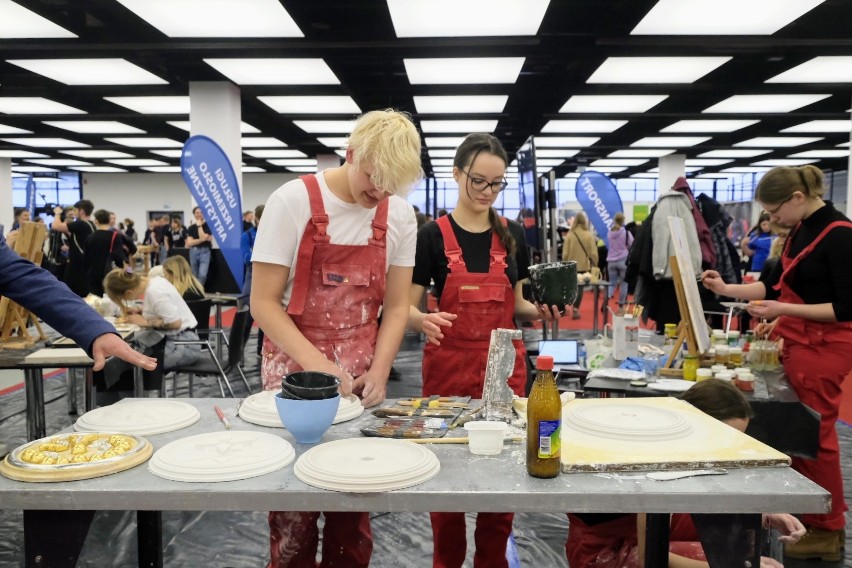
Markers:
point(544, 362)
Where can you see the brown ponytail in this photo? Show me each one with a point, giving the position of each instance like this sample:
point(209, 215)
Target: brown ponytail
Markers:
point(778, 184)
point(118, 283)
point(502, 231)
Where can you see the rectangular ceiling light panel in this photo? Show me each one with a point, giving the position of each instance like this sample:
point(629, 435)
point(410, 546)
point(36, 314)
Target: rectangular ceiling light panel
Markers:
point(442, 153)
point(283, 153)
point(90, 71)
point(275, 71)
point(166, 153)
point(97, 154)
point(443, 141)
point(456, 126)
point(707, 162)
point(821, 154)
point(220, 18)
point(325, 126)
point(94, 126)
point(649, 153)
point(822, 69)
point(555, 153)
point(464, 70)
point(20, 154)
point(333, 141)
point(686, 126)
point(611, 103)
point(261, 142)
point(722, 17)
point(138, 162)
point(763, 104)
point(619, 162)
point(669, 141)
point(450, 18)
point(582, 126)
point(46, 142)
point(153, 105)
point(165, 169)
point(474, 104)
point(733, 153)
point(777, 141)
point(5, 129)
point(146, 142)
point(788, 162)
point(311, 105)
point(61, 162)
point(35, 105)
point(99, 169)
point(187, 126)
point(16, 22)
point(564, 141)
point(294, 162)
point(842, 126)
point(646, 70)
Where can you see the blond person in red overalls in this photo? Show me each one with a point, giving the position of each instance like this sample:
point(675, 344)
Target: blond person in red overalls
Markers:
point(477, 260)
point(333, 249)
point(807, 295)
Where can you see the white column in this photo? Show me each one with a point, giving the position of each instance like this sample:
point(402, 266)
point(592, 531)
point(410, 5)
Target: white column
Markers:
point(214, 111)
point(325, 161)
point(672, 167)
point(7, 213)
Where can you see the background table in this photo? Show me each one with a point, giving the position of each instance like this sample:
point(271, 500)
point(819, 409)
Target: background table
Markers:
point(57, 514)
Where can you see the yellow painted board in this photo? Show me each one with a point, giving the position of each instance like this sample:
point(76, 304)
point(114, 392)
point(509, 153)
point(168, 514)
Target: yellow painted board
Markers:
point(617, 434)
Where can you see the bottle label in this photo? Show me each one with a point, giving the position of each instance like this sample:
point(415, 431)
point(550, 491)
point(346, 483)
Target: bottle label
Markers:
point(548, 438)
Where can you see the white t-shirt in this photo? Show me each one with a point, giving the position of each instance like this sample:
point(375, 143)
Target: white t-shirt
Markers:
point(162, 300)
point(288, 211)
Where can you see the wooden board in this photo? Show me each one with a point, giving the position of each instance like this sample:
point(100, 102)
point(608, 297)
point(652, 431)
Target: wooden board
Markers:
point(76, 471)
point(67, 356)
point(709, 444)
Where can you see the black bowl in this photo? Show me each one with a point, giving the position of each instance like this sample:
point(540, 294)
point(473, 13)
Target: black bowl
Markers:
point(310, 385)
point(287, 394)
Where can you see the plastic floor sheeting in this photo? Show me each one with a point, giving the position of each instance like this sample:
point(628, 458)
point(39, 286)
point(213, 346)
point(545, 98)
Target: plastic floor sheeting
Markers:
point(240, 540)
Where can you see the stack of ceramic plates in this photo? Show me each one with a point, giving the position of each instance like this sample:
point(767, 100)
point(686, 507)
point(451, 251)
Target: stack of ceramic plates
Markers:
point(221, 456)
point(626, 420)
point(366, 465)
point(141, 417)
point(260, 409)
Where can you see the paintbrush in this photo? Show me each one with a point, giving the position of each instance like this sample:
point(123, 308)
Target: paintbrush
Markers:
point(511, 440)
point(463, 418)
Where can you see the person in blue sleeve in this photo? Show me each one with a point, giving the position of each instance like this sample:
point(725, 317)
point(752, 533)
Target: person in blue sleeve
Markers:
point(38, 291)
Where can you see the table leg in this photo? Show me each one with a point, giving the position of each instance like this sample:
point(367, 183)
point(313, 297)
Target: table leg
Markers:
point(149, 534)
point(34, 387)
point(730, 539)
point(71, 386)
point(597, 292)
point(657, 540)
point(54, 538)
point(138, 382)
point(89, 393)
point(219, 335)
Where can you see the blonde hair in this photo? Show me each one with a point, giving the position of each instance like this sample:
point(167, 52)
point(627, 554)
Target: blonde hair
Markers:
point(389, 141)
point(177, 271)
point(580, 222)
point(617, 221)
point(117, 283)
point(779, 184)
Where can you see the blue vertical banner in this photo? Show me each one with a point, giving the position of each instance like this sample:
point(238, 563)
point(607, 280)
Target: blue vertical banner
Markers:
point(31, 195)
point(600, 200)
point(211, 180)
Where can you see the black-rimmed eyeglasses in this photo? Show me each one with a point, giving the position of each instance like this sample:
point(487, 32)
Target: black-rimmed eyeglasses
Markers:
point(779, 206)
point(479, 184)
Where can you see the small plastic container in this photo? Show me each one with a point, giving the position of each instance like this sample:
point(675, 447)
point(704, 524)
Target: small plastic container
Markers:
point(485, 437)
point(745, 382)
point(718, 368)
point(703, 374)
point(726, 376)
point(722, 354)
point(720, 337)
point(734, 338)
point(690, 367)
point(735, 355)
point(739, 370)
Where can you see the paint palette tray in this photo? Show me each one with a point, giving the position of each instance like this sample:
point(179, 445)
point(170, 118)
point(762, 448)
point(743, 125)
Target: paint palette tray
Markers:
point(407, 428)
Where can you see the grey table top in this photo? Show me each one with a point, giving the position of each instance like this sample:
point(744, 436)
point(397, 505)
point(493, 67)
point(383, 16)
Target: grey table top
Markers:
point(465, 483)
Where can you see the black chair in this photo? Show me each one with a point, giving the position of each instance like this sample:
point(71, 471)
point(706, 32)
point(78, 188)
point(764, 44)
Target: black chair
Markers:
point(208, 364)
point(115, 380)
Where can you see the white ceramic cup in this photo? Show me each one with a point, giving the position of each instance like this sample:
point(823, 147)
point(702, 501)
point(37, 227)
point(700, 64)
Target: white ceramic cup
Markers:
point(485, 437)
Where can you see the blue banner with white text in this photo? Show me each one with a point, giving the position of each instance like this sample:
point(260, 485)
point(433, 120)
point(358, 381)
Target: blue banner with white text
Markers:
point(211, 180)
point(600, 200)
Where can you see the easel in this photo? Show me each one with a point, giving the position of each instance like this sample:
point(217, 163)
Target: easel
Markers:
point(685, 331)
point(15, 319)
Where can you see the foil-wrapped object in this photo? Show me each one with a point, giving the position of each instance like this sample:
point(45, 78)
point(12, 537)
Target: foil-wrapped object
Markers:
point(501, 364)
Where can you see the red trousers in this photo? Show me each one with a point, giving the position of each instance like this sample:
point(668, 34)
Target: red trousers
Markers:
point(346, 540)
point(816, 373)
point(491, 537)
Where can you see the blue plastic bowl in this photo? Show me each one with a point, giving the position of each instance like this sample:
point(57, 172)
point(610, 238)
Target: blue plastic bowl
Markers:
point(307, 420)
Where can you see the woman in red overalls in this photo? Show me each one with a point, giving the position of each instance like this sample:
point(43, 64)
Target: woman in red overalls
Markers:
point(807, 294)
point(350, 243)
point(477, 261)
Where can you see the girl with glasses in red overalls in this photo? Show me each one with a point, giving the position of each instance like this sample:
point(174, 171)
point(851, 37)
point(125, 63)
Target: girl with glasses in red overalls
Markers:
point(477, 261)
point(807, 295)
point(335, 248)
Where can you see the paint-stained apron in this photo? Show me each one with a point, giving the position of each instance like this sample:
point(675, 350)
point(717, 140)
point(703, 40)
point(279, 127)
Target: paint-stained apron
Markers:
point(816, 360)
point(335, 301)
point(483, 302)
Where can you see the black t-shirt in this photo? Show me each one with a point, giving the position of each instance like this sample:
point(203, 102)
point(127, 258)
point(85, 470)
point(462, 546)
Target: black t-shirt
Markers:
point(79, 230)
point(192, 231)
point(825, 275)
point(177, 238)
point(431, 262)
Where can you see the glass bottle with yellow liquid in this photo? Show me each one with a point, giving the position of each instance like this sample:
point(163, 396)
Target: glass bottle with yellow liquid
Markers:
point(544, 421)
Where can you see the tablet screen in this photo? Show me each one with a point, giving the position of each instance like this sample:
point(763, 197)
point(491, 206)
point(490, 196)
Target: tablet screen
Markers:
point(563, 351)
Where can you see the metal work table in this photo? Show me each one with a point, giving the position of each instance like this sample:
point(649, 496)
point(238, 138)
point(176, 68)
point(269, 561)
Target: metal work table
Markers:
point(465, 483)
point(780, 419)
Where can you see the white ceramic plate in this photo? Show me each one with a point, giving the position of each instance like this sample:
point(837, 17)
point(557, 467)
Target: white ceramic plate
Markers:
point(140, 417)
point(671, 385)
point(735, 305)
point(221, 456)
point(259, 409)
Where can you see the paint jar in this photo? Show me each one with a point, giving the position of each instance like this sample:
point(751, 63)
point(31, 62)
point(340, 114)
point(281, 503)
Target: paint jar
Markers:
point(690, 367)
point(703, 374)
point(733, 338)
point(651, 366)
point(726, 376)
point(670, 330)
point(718, 368)
point(735, 355)
point(722, 354)
point(740, 370)
point(720, 337)
point(745, 382)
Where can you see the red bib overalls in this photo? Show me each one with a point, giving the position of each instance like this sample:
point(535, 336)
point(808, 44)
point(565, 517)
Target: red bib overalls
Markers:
point(335, 301)
point(816, 359)
point(483, 302)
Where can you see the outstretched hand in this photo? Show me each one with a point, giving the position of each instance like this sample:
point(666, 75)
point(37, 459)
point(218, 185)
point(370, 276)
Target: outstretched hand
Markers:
point(111, 345)
point(432, 324)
